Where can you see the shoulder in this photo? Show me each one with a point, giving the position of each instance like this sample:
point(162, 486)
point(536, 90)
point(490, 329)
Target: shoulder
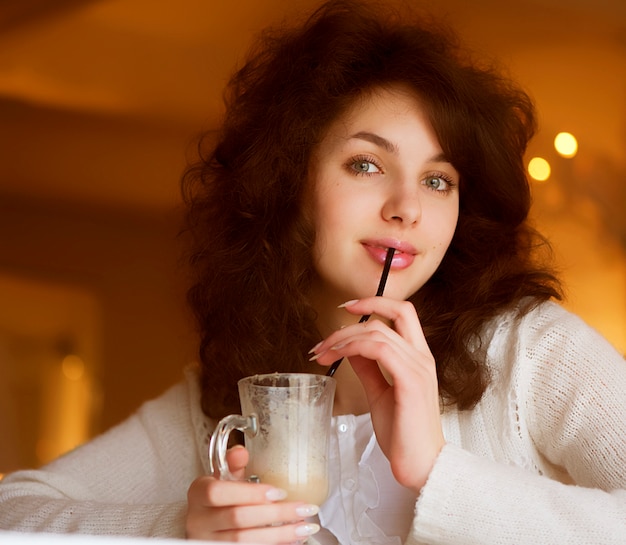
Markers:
point(562, 385)
point(545, 331)
point(179, 401)
point(177, 414)
point(546, 349)
point(550, 333)
point(562, 352)
point(555, 361)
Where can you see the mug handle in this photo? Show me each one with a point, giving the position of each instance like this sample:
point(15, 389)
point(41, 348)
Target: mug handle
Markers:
point(219, 442)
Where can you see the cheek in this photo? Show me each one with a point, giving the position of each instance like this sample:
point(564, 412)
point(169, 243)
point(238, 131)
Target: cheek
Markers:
point(444, 226)
point(330, 213)
point(445, 244)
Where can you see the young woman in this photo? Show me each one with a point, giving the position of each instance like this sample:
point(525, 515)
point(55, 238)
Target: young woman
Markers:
point(470, 408)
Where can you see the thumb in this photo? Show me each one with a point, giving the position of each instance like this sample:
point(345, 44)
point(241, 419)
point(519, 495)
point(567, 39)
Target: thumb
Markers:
point(237, 458)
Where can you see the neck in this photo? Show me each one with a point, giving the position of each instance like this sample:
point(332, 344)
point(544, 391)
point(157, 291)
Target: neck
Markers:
point(350, 396)
point(331, 318)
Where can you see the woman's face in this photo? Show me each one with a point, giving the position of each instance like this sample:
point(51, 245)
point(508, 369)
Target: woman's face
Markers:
point(380, 180)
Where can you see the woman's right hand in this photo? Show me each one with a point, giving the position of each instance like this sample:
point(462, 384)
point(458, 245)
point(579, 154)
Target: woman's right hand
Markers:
point(241, 511)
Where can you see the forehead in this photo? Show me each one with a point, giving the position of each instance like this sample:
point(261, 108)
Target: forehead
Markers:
point(396, 110)
point(397, 98)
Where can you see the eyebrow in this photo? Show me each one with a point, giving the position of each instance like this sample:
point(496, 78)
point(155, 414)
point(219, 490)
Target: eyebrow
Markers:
point(377, 140)
point(390, 147)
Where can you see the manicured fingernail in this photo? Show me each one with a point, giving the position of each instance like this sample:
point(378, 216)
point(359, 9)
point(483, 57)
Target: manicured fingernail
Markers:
point(307, 529)
point(338, 346)
point(276, 494)
point(348, 303)
point(314, 357)
point(315, 347)
point(308, 510)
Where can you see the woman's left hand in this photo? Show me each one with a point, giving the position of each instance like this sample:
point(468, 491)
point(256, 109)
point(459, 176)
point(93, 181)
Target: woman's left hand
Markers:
point(406, 412)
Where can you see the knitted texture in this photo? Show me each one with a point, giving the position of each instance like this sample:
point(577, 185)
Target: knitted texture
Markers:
point(540, 460)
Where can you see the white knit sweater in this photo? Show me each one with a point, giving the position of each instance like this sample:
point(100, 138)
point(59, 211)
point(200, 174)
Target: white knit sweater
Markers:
point(540, 460)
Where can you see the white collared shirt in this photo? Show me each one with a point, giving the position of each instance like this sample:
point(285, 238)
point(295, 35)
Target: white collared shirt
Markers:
point(365, 504)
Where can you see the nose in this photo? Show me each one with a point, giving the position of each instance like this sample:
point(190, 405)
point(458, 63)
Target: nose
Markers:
point(402, 203)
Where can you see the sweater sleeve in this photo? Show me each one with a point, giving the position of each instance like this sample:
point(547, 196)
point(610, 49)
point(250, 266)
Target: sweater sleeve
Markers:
point(572, 407)
point(130, 481)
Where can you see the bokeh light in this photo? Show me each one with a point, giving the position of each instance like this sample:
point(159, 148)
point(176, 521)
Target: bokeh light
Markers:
point(566, 144)
point(539, 169)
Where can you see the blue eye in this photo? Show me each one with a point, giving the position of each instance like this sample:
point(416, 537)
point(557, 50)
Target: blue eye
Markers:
point(363, 166)
point(437, 183)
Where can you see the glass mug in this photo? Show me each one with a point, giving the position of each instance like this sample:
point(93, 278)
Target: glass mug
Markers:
point(286, 421)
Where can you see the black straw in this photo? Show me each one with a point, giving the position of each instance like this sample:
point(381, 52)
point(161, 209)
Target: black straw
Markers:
point(379, 292)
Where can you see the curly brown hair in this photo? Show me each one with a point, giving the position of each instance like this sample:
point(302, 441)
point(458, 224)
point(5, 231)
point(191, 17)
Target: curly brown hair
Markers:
point(251, 243)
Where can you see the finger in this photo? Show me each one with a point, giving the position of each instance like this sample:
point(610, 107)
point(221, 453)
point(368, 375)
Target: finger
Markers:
point(286, 533)
point(369, 357)
point(370, 351)
point(373, 337)
point(237, 459)
point(336, 340)
point(249, 508)
point(401, 314)
point(207, 491)
point(256, 516)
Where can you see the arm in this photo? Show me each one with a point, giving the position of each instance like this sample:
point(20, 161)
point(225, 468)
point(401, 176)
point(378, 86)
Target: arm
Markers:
point(572, 407)
point(132, 480)
point(35, 512)
point(472, 500)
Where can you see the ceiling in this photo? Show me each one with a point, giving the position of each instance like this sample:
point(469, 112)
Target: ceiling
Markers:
point(100, 100)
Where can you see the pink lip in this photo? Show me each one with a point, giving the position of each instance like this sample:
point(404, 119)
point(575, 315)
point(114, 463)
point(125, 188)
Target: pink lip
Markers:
point(402, 258)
